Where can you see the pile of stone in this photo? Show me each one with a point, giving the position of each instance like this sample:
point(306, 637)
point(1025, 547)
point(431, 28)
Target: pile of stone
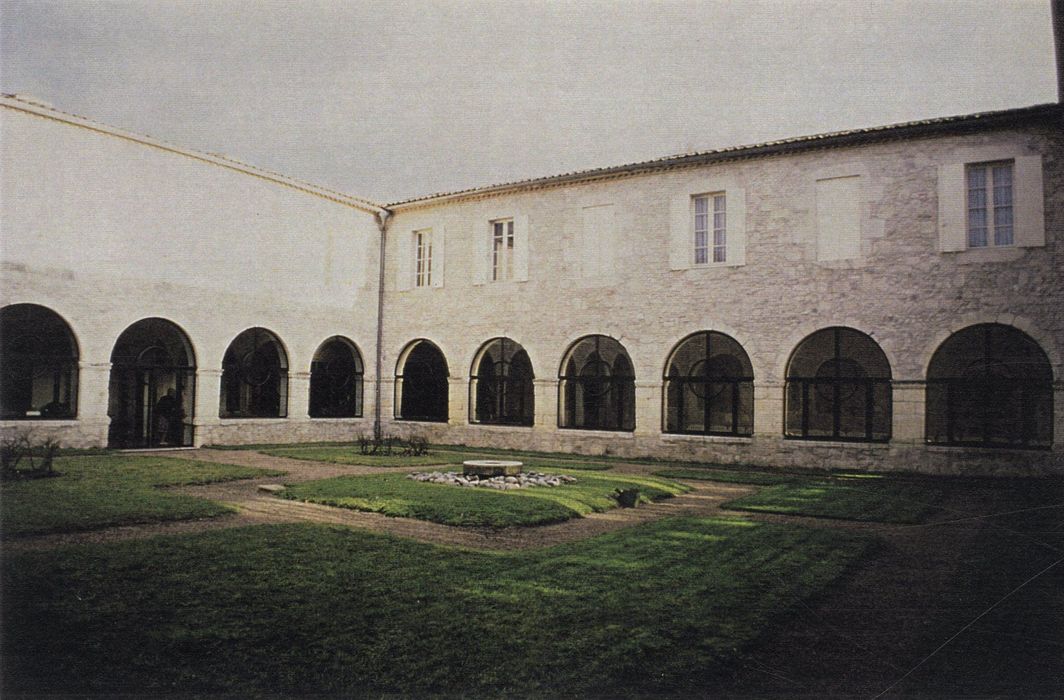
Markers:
point(502, 483)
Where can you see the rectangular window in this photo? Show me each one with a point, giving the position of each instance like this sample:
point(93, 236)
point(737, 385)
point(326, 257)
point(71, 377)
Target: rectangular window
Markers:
point(502, 250)
point(423, 258)
point(989, 188)
point(707, 248)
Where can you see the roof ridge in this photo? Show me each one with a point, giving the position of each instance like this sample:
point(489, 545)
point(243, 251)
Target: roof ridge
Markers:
point(729, 151)
point(39, 107)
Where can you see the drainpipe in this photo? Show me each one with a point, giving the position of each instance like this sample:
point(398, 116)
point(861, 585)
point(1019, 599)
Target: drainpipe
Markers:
point(1057, 9)
point(382, 218)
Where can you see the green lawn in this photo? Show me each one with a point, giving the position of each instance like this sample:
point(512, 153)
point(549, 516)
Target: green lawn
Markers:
point(867, 498)
point(339, 454)
point(396, 495)
point(301, 609)
point(104, 490)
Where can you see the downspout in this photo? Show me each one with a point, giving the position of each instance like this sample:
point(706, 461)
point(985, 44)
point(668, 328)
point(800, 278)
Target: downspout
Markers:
point(382, 218)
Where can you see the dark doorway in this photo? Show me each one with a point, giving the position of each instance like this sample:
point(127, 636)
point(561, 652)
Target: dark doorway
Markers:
point(152, 388)
point(421, 384)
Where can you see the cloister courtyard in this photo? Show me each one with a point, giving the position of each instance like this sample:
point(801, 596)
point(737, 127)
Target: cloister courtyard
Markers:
point(319, 569)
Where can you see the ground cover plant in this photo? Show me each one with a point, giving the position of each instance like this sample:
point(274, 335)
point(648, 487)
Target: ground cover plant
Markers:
point(297, 609)
point(105, 490)
point(396, 495)
point(857, 497)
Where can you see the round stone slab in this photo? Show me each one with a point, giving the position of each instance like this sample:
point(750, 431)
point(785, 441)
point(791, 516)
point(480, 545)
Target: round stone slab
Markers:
point(491, 467)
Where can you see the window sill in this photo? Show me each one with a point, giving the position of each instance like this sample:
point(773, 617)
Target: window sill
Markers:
point(836, 444)
point(596, 432)
point(989, 254)
point(717, 439)
point(34, 420)
point(501, 427)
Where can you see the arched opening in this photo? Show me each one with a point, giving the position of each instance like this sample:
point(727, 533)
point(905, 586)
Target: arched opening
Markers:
point(421, 383)
point(990, 385)
point(336, 380)
point(151, 396)
point(596, 386)
point(500, 385)
point(38, 364)
point(709, 387)
point(254, 377)
point(838, 388)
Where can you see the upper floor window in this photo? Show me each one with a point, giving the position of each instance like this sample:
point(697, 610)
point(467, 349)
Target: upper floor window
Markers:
point(707, 225)
point(989, 196)
point(711, 228)
point(502, 250)
point(423, 258)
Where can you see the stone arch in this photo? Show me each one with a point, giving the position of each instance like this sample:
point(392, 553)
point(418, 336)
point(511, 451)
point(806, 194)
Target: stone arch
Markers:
point(421, 383)
point(152, 387)
point(336, 379)
point(39, 356)
point(596, 385)
point(254, 376)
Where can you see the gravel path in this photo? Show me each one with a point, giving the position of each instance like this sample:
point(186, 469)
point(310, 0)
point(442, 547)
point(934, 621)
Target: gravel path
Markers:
point(257, 507)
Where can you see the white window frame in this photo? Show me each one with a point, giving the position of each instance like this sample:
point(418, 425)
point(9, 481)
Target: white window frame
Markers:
point(423, 257)
point(995, 199)
point(710, 228)
point(503, 249)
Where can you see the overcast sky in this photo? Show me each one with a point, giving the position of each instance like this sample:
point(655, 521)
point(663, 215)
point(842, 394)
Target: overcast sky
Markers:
point(389, 100)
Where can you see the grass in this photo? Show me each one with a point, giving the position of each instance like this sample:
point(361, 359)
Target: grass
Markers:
point(304, 609)
point(880, 499)
point(101, 491)
point(396, 495)
point(349, 454)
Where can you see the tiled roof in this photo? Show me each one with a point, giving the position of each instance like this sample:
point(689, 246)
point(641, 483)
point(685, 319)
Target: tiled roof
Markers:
point(960, 123)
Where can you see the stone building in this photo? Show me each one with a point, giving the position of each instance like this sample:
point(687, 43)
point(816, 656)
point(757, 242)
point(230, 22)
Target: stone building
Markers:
point(888, 298)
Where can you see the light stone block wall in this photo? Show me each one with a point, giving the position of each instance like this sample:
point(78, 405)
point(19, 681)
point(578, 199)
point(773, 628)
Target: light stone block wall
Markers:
point(106, 231)
point(902, 291)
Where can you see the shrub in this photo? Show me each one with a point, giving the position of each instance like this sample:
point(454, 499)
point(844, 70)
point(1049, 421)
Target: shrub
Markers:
point(22, 446)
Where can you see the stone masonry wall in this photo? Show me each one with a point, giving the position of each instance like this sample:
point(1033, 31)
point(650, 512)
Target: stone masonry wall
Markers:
point(901, 291)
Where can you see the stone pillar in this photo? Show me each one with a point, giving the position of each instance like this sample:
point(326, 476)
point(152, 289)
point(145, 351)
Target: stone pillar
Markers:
point(208, 396)
point(457, 401)
point(546, 396)
point(94, 381)
point(908, 409)
point(768, 409)
point(299, 395)
point(647, 408)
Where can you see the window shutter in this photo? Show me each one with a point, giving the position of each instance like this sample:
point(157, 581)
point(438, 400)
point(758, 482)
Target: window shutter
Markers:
point(681, 233)
point(1028, 199)
point(404, 260)
point(521, 247)
point(439, 266)
point(952, 209)
point(481, 255)
point(735, 236)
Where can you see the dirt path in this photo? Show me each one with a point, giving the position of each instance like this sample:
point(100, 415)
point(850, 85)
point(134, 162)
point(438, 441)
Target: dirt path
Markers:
point(255, 507)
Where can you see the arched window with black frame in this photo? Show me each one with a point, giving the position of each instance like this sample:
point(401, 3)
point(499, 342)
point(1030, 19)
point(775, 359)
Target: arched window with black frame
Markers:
point(500, 385)
point(151, 394)
point(838, 388)
point(38, 364)
point(255, 377)
point(596, 386)
point(709, 387)
point(990, 385)
point(421, 390)
point(336, 380)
